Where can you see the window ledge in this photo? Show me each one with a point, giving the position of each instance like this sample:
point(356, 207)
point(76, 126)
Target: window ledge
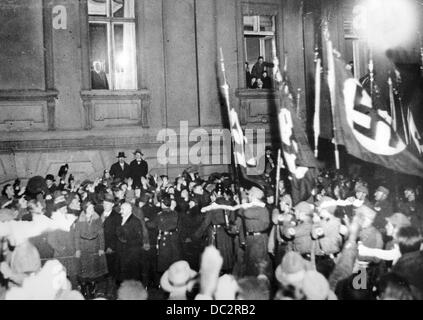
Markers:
point(244, 93)
point(133, 106)
point(114, 94)
point(27, 95)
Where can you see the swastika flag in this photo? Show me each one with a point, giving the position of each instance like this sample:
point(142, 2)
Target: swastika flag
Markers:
point(366, 132)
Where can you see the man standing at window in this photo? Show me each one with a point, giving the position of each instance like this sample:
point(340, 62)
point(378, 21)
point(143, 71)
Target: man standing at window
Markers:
point(138, 168)
point(259, 67)
point(98, 77)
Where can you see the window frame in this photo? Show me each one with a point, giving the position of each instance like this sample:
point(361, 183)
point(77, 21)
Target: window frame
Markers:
point(261, 35)
point(110, 22)
point(257, 9)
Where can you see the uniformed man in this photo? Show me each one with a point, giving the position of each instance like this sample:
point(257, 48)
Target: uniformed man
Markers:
point(190, 220)
point(257, 226)
point(168, 249)
point(217, 224)
point(370, 237)
point(412, 208)
point(383, 208)
point(300, 234)
point(329, 240)
point(282, 219)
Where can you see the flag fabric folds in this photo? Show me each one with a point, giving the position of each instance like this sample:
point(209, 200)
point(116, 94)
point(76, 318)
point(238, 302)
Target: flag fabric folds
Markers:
point(297, 153)
point(367, 133)
point(414, 132)
point(240, 143)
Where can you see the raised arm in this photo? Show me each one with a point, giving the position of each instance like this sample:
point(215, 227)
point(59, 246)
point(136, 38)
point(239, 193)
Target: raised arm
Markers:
point(387, 255)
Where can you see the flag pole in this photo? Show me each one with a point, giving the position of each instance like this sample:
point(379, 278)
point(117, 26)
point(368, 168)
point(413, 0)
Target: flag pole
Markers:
point(398, 93)
point(371, 72)
point(421, 53)
point(331, 84)
point(225, 88)
point(392, 104)
point(278, 177)
point(407, 141)
point(316, 120)
point(298, 103)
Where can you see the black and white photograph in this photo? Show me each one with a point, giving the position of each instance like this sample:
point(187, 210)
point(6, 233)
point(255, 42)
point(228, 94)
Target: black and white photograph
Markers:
point(211, 151)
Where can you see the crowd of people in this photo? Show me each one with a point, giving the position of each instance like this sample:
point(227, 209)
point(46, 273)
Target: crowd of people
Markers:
point(135, 235)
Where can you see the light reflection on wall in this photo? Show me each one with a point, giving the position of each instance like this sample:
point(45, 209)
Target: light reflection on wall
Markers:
point(386, 23)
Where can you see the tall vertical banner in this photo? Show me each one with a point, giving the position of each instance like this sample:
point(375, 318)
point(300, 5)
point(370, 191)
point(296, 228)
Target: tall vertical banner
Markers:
point(296, 151)
point(239, 141)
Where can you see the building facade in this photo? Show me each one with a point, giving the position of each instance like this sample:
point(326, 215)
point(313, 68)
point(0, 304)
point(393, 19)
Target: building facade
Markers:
point(82, 80)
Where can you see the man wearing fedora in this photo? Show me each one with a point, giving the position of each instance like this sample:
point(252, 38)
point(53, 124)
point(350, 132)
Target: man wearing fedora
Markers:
point(120, 169)
point(138, 168)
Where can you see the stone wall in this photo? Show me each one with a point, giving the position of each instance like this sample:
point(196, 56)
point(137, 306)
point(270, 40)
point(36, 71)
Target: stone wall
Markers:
point(48, 115)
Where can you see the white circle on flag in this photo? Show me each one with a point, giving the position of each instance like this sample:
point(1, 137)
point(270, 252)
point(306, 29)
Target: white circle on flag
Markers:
point(383, 131)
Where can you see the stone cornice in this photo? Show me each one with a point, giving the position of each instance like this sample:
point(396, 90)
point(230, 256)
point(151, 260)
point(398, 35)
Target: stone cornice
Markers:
point(27, 95)
point(85, 140)
point(115, 94)
point(257, 93)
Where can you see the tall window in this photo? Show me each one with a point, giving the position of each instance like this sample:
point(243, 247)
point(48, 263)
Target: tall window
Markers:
point(112, 44)
point(357, 49)
point(259, 40)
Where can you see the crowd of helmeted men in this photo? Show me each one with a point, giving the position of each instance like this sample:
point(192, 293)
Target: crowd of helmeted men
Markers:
point(134, 234)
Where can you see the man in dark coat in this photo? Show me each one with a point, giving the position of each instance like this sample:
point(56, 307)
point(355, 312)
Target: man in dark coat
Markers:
point(51, 189)
point(98, 77)
point(259, 67)
point(267, 82)
point(149, 211)
point(111, 221)
point(51, 186)
point(412, 208)
point(130, 245)
point(138, 168)
point(120, 169)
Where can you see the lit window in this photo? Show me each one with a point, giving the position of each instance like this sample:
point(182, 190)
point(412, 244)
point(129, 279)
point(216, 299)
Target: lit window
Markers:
point(259, 41)
point(112, 44)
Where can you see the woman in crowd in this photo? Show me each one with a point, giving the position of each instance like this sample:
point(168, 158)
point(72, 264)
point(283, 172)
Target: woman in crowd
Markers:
point(89, 245)
point(63, 244)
